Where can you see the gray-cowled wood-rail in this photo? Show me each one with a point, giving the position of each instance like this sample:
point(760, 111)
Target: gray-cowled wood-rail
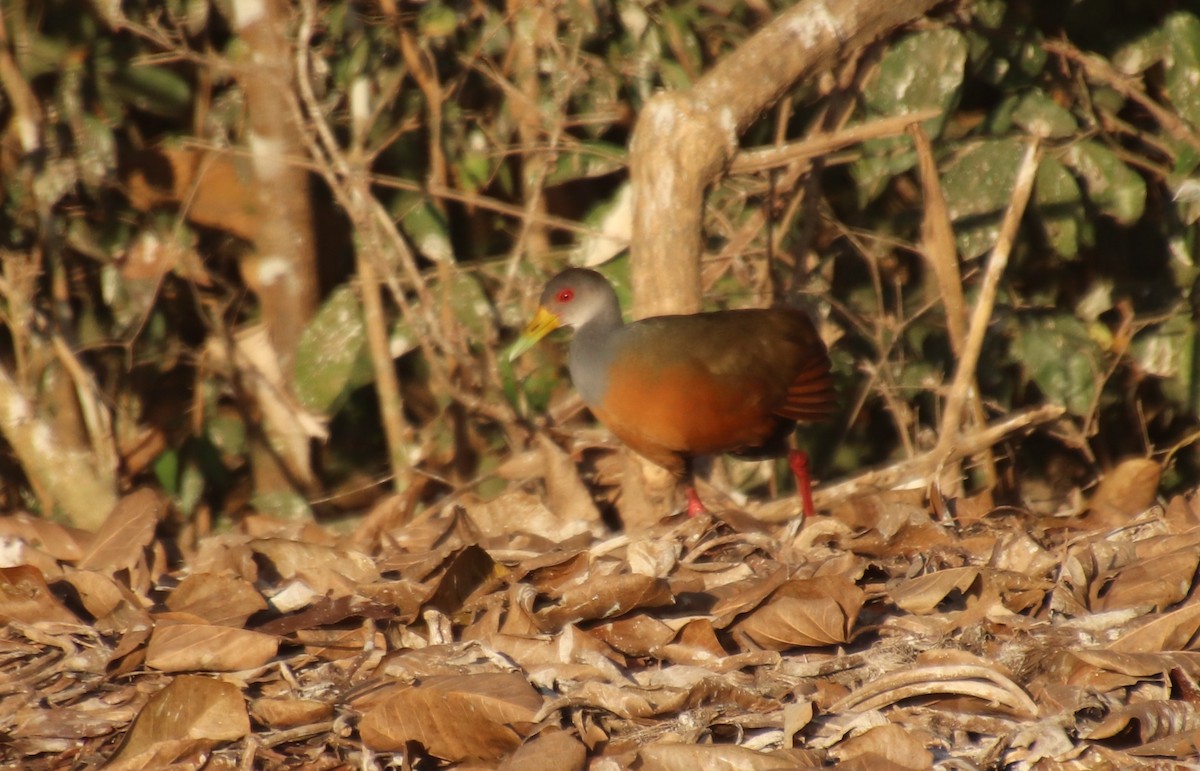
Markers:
point(674, 388)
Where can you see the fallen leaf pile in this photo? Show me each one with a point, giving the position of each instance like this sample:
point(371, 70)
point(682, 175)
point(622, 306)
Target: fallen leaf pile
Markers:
point(880, 636)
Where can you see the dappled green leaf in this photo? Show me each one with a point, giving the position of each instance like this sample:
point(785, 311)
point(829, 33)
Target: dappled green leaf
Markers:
point(978, 183)
point(589, 159)
point(436, 20)
point(156, 90)
point(1114, 188)
point(1060, 356)
point(465, 297)
point(331, 359)
point(1182, 58)
point(425, 227)
point(1059, 205)
point(1041, 116)
point(923, 70)
point(1167, 351)
point(1141, 52)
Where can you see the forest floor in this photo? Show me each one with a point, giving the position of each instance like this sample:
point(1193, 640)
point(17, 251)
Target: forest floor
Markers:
point(882, 634)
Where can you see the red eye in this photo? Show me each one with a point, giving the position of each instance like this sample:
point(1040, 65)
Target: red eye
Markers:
point(565, 296)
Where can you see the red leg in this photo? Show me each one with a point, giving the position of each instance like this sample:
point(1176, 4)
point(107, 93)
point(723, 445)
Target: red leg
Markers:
point(798, 460)
point(695, 505)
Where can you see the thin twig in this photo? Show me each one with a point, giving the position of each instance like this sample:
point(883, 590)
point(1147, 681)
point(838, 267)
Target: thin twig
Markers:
point(950, 430)
point(918, 470)
point(754, 161)
point(937, 236)
point(1098, 69)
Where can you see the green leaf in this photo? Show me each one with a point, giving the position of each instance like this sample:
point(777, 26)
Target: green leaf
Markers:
point(978, 184)
point(469, 303)
point(1167, 351)
point(1141, 52)
point(425, 227)
point(1182, 61)
point(156, 90)
point(166, 471)
point(436, 21)
point(97, 150)
point(191, 488)
point(1058, 202)
point(1062, 359)
point(921, 71)
point(331, 359)
point(882, 159)
point(1041, 116)
point(1117, 190)
point(475, 163)
point(226, 432)
point(590, 159)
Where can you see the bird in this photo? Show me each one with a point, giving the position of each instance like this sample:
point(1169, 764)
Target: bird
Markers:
point(677, 388)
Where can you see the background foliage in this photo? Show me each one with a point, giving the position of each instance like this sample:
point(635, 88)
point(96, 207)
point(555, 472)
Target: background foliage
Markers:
point(494, 138)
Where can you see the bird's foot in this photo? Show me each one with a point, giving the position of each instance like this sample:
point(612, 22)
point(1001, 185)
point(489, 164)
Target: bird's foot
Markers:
point(694, 505)
point(798, 460)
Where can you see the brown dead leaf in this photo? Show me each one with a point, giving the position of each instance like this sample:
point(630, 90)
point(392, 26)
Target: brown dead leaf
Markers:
point(1124, 492)
point(225, 553)
point(517, 510)
point(34, 725)
point(215, 186)
point(734, 599)
point(553, 573)
point(183, 647)
point(551, 748)
point(885, 513)
point(1156, 583)
point(923, 594)
point(338, 644)
point(286, 713)
point(25, 597)
point(946, 674)
point(405, 598)
point(218, 599)
point(624, 702)
point(1149, 721)
point(713, 757)
point(303, 559)
point(501, 706)
point(126, 532)
point(810, 613)
point(1174, 631)
point(638, 634)
point(607, 598)
point(189, 709)
point(1139, 665)
point(1183, 746)
point(467, 571)
point(1017, 551)
point(117, 610)
point(887, 744)
point(696, 644)
point(1183, 512)
point(62, 543)
point(566, 494)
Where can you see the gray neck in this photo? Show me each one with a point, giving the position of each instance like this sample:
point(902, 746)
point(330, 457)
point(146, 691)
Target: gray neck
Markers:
point(592, 351)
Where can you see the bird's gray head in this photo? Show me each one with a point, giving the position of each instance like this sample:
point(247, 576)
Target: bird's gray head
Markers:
point(578, 295)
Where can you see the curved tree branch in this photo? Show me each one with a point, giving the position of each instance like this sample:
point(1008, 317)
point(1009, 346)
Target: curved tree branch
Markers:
point(684, 139)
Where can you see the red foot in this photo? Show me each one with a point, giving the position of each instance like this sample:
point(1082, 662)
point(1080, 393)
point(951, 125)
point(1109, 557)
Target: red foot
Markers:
point(695, 505)
point(798, 460)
